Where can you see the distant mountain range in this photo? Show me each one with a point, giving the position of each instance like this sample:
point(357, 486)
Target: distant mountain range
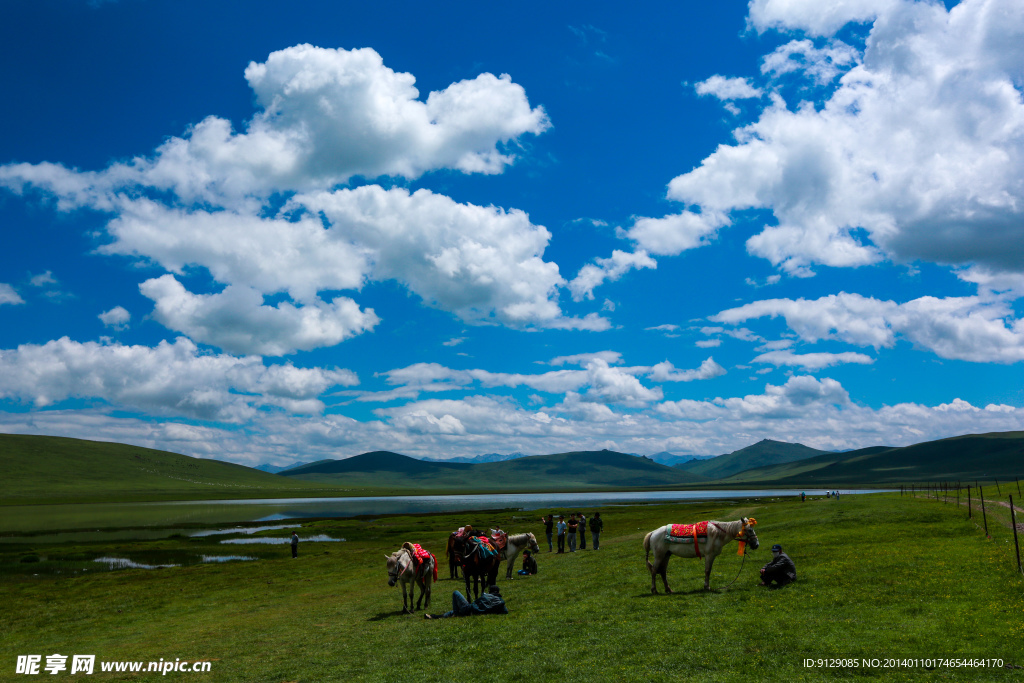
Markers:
point(558, 472)
point(274, 469)
point(666, 458)
point(487, 457)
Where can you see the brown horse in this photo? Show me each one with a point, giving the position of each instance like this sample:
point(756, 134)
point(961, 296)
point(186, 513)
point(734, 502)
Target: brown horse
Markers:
point(453, 561)
point(475, 564)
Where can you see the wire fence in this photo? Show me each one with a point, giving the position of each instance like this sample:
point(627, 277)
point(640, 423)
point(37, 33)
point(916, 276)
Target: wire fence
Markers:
point(976, 499)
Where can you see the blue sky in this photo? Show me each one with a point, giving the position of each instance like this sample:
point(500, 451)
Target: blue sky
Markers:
point(314, 229)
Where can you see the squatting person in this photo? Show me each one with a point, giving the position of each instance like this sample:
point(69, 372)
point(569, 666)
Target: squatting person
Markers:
point(780, 570)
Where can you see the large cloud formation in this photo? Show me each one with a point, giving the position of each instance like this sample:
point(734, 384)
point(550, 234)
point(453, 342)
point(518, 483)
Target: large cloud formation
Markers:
point(325, 116)
point(920, 146)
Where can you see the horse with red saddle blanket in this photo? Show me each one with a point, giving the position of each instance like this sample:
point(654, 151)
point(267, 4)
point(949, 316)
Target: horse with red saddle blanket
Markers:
point(411, 564)
point(700, 540)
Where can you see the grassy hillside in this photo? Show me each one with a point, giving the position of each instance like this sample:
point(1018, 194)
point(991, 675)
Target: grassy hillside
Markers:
point(579, 470)
point(966, 458)
point(57, 469)
point(760, 454)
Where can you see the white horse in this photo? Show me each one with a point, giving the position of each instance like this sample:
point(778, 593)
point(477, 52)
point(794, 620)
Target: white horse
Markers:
point(403, 569)
point(515, 545)
point(719, 533)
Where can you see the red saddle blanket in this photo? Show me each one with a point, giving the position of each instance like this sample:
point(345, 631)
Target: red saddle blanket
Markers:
point(419, 556)
point(499, 539)
point(690, 530)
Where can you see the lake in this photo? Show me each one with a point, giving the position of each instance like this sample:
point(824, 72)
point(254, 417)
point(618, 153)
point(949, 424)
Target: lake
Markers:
point(99, 518)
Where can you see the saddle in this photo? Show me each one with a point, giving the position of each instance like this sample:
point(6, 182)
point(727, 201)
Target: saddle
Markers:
point(688, 533)
point(499, 539)
point(482, 545)
point(419, 556)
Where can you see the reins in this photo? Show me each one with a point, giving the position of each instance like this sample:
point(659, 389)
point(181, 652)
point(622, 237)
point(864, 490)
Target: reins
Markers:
point(739, 536)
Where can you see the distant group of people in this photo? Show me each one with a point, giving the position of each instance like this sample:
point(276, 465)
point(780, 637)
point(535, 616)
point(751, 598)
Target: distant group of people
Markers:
point(569, 530)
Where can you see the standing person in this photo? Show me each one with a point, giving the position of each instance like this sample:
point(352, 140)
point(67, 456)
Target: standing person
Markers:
point(573, 526)
point(549, 524)
point(295, 544)
point(596, 525)
point(583, 531)
point(561, 533)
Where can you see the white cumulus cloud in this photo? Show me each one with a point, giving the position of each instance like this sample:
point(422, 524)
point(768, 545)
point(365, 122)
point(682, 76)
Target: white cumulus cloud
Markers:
point(964, 328)
point(168, 379)
point(237, 320)
point(117, 317)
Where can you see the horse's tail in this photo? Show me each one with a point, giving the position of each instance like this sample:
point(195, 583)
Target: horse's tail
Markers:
point(647, 551)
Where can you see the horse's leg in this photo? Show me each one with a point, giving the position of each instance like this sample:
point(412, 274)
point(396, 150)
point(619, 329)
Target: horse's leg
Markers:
point(430, 585)
point(663, 570)
point(709, 560)
point(654, 570)
point(418, 580)
point(404, 607)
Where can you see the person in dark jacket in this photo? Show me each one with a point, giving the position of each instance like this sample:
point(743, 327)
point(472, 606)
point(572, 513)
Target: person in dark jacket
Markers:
point(549, 525)
point(488, 603)
point(596, 525)
point(583, 531)
point(780, 570)
point(529, 564)
point(295, 544)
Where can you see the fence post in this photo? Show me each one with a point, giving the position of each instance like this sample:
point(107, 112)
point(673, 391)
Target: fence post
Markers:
point(969, 510)
point(1013, 521)
point(984, 515)
point(997, 488)
point(1017, 479)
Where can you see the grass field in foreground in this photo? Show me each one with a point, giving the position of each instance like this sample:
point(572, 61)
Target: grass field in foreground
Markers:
point(880, 576)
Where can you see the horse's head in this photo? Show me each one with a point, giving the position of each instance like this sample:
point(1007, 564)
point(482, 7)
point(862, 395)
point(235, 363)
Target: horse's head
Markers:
point(748, 532)
point(534, 548)
point(395, 567)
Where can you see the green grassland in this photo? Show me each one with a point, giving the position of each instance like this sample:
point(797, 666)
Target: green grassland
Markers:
point(880, 576)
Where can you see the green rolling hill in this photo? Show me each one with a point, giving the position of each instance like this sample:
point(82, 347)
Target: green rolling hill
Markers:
point(761, 454)
point(40, 469)
point(999, 455)
point(579, 470)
